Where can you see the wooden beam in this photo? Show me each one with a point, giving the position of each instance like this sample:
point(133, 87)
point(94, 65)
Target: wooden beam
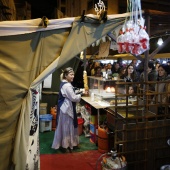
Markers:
point(156, 2)
point(127, 56)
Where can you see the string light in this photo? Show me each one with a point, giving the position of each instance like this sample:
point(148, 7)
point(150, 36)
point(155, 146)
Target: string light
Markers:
point(160, 41)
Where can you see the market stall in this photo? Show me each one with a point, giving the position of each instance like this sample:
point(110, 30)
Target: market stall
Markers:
point(39, 52)
point(29, 53)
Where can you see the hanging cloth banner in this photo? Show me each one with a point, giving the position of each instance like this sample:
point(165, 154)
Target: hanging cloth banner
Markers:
point(104, 49)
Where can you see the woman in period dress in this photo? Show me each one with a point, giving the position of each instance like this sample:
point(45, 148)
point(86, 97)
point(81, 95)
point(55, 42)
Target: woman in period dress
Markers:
point(66, 133)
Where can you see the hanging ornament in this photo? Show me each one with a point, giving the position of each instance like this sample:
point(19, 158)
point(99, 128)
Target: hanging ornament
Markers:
point(133, 37)
point(99, 7)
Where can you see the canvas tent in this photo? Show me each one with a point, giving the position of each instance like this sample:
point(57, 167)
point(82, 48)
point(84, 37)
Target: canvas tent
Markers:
point(28, 54)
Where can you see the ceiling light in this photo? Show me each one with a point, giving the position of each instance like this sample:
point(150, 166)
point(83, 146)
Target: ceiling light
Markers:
point(160, 41)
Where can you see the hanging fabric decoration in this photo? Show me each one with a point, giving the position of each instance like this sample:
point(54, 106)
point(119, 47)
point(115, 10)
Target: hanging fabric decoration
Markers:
point(133, 37)
point(104, 49)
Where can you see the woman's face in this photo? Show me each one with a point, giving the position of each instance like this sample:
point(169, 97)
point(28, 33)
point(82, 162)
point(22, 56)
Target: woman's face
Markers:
point(157, 65)
point(70, 76)
point(131, 90)
point(130, 70)
point(161, 71)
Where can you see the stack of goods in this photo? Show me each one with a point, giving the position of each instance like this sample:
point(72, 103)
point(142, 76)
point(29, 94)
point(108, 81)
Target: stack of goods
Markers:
point(43, 108)
point(93, 127)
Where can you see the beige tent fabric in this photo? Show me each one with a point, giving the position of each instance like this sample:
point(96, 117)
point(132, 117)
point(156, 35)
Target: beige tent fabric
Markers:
point(25, 60)
point(22, 59)
point(8, 28)
point(29, 26)
point(84, 34)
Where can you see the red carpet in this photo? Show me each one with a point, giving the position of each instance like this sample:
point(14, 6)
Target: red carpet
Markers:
point(70, 161)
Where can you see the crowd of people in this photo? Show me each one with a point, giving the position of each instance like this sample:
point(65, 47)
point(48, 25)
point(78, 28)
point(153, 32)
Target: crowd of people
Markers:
point(157, 77)
point(131, 72)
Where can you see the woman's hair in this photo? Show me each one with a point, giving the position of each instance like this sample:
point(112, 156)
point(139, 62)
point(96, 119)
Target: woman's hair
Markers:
point(133, 86)
point(134, 75)
point(165, 67)
point(151, 65)
point(97, 69)
point(65, 72)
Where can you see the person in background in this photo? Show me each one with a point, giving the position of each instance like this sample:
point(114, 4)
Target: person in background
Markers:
point(131, 90)
point(130, 74)
point(140, 67)
point(89, 67)
point(120, 61)
point(98, 71)
point(109, 70)
point(122, 73)
point(109, 66)
point(157, 63)
point(134, 64)
point(163, 75)
point(104, 68)
point(96, 64)
point(66, 133)
point(116, 68)
point(152, 75)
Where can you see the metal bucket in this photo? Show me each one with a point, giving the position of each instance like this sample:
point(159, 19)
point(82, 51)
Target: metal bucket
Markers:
point(106, 168)
point(165, 167)
point(124, 168)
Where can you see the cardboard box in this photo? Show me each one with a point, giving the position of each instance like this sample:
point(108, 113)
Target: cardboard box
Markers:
point(43, 108)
